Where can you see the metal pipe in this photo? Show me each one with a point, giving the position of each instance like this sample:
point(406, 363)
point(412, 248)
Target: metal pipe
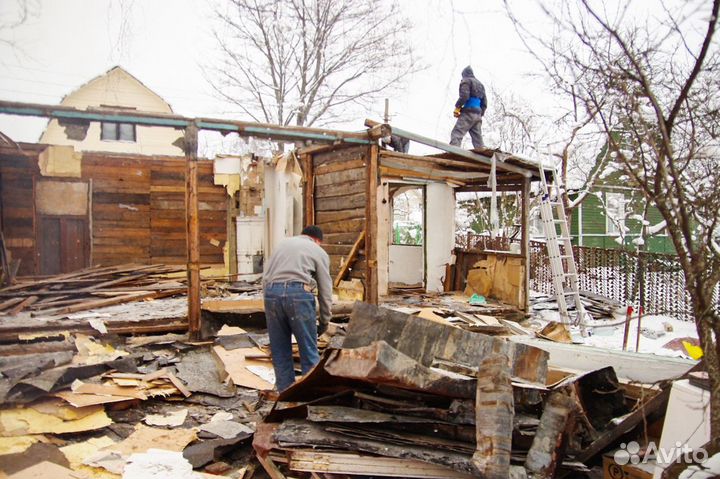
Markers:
point(243, 128)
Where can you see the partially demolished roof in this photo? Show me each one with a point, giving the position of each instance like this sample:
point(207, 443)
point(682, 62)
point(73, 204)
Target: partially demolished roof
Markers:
point(468, 169)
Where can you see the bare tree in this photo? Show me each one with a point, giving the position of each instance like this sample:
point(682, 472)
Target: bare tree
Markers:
point(309, 62)
point(650, 82)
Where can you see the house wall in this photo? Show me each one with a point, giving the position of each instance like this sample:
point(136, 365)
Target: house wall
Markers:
point(594, 220)
point(117, 88)
point(339, 203)
point(17, 181)
point(136, 208)
point(439, 232)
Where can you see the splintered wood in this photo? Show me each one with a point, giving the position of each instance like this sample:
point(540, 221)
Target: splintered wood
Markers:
point(409, 396)
point(89, 288)
point(494, 411)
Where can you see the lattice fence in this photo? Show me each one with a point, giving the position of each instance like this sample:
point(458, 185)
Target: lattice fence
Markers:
point(619, 274)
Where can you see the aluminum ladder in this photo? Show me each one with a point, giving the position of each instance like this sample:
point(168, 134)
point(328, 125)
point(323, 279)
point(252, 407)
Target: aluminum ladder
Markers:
point(560, 252)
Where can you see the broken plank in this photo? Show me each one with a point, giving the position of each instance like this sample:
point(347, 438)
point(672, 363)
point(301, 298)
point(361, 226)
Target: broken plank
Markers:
point(296, 433)
point(22, 305)
point(426, 340)
point(544, 454)
point(357, 464)
point(350, 259)
point(494, 411)
point(9, 303)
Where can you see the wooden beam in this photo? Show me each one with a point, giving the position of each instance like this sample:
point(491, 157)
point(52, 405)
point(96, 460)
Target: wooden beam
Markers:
point(494, 412)
point(460, 165)
point(371, 225)
point(192, 220)
point(387, 172)
point(544, 454)
point(308, 189)
point(453, 149)
point(231, 225)
point(243, 128)
point(525, 241)
point(351, 258)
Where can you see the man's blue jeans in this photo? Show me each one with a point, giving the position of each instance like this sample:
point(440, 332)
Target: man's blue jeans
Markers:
point(290, 310)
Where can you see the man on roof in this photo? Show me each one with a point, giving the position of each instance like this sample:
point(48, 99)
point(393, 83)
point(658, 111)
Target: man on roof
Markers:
point(469, 110)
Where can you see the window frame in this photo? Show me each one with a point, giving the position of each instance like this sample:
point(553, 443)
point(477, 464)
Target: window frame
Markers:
point(614, 227)
point(117, 129)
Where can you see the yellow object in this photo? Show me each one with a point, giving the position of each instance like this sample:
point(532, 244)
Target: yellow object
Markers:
point(17, 444)
point(78, 452)
point(23, 421)
point(456, 112)
point(695, 352)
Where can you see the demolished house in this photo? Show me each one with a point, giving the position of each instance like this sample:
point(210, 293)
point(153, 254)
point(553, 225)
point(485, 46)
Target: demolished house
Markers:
point(117, 370)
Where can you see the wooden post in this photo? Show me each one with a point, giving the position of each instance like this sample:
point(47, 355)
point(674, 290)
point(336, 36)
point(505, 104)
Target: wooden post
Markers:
point(525, 239)
point(308, 189)
point(192, 225)
point(231, 226)
point(545, 452)
point(494, 411)
point(371, 225)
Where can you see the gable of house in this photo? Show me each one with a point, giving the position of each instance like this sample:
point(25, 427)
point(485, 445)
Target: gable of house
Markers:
point(116, 89)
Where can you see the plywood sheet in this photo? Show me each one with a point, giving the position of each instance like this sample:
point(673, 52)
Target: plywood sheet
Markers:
point(61, 198)
point(236, 365)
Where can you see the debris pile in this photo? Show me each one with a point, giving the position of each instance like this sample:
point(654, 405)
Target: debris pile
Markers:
point(414, 397)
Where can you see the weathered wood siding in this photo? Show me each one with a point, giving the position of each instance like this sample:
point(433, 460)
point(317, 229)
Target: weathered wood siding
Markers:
point(137, 211)
point(17, 173)
point(339, 201)
point(138, 207)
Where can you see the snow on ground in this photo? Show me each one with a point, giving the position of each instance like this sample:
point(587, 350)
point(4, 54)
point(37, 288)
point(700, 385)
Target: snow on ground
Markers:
point(659, 330)
point(652, 325)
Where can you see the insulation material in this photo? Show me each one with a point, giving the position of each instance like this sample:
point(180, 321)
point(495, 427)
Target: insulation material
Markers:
point(45, 470)
point(159, 464)
point(61, 198)
point(171, 419)
point(77, 453)
point(90, 351)
point(23, 421)
point(230, 182)
point(18, 444)
point(60, 161)
point(498, 277)
point(113, 458)
point(352, 290)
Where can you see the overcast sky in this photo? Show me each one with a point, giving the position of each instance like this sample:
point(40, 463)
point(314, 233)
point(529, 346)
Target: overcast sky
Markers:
point(165, 42)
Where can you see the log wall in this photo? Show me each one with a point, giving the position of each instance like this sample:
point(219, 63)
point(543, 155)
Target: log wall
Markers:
point(339, 204)
point(17, 178)
point(137, 211)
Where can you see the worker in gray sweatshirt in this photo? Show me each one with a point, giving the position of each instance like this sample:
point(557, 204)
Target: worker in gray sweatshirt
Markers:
point(297, 267)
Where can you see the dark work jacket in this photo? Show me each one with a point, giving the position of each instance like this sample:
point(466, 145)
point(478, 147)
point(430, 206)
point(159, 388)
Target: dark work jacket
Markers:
point(472, 94)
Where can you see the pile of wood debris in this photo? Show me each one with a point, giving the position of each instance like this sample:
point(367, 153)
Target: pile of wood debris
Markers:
point(440, 393)
point(412, 397)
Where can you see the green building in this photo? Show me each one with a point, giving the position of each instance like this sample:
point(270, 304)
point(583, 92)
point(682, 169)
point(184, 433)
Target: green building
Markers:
point(613, 209)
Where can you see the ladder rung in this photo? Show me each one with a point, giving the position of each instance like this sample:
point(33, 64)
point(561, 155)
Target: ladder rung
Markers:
point(569, 274)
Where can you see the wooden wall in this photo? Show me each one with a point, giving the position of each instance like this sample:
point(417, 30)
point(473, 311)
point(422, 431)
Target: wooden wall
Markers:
point(339, 203)
point(17, 173)
point(137, 209)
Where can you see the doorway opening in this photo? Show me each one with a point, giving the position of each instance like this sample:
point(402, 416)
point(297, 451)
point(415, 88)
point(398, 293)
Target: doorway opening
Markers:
point(407, 242)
